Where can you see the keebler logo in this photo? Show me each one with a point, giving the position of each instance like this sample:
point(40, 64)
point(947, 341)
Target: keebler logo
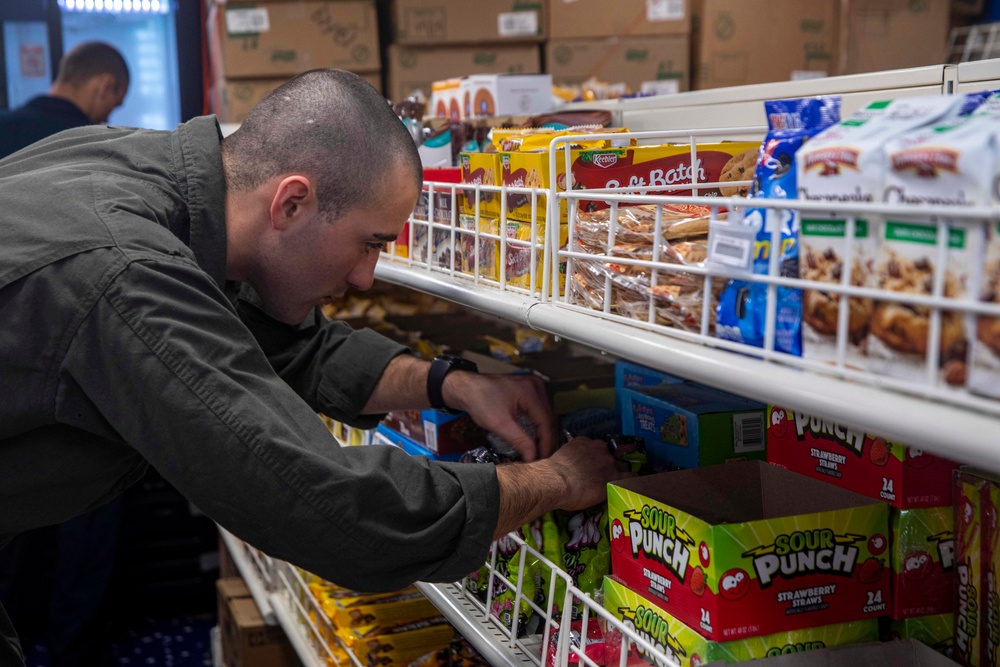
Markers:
point(926, 162)
point(655, 629)
point(605, 160)
point(803, 553)
point(830, 161)
point(506, 161)
point(655, 534)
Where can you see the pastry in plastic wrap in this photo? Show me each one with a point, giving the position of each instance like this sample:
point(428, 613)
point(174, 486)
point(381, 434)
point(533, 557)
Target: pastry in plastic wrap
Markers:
point(677, 296)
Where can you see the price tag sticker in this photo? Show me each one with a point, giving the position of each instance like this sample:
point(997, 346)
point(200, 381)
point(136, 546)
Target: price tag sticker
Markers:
point(247, 21)
point(731, 246)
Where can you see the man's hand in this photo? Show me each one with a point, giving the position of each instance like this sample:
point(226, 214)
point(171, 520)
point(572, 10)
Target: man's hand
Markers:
point(574, 478)
point(495, 402)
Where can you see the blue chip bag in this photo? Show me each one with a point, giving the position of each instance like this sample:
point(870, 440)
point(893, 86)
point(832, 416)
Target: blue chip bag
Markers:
point(742, 305)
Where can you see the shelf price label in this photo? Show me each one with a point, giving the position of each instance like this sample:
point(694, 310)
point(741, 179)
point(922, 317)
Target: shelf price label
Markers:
point(730, 246)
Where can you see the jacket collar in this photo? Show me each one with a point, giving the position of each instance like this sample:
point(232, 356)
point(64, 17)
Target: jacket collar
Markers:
point(197, 165)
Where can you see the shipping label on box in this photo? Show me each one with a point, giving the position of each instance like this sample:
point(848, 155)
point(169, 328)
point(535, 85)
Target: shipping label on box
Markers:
point(287, 38)
point(688, 648)
point(689, 426)
point(668, 166)
point(970, 490)
point(749, 549)
point(937, 631)
point(903, 476)
point(923, 561)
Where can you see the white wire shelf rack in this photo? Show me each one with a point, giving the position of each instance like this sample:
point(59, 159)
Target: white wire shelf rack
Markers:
point(924, 412)
point(292, 606)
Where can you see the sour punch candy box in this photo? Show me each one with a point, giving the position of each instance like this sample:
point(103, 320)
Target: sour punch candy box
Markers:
point(969, 497)
point(748, 549)
point(903, 476)
point(689, 649)
point(923, 561)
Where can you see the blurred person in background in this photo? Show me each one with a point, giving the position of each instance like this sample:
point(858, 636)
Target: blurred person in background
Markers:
point(57, 578)
point(92, 82)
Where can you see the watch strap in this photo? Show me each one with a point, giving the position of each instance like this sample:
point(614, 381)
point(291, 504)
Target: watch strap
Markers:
point(440, 367)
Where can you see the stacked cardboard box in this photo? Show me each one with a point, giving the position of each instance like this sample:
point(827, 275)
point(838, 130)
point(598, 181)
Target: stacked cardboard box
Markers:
point(632, 41)
point(738, 42)
point(444, 39)
point(921, 547)
point(255, 47)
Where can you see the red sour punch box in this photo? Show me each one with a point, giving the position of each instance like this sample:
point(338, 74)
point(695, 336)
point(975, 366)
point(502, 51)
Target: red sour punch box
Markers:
point(748, 549)
point(904, 477)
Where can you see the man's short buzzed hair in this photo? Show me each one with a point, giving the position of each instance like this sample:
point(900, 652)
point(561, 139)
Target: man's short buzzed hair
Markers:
point(331, 126)
point(90, 59)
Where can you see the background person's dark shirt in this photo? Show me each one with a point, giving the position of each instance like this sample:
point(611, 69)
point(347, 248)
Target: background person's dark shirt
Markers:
point(40, 117)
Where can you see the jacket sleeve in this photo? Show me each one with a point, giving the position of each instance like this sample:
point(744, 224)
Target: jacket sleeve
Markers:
point(330, 365)
point(166, 363)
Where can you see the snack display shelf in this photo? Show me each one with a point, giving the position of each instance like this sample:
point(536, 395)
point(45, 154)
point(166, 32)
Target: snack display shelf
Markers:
point(927, 414)
point(271, 591)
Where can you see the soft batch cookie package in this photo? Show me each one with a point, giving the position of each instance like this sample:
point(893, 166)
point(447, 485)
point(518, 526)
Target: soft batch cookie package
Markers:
point(849, 162)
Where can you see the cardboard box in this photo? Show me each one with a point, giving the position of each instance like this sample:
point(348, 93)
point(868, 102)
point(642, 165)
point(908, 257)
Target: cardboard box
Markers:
point(990, 614)
point(629, 375)
point(632, 60)
point(436, 22)
point(749, 549)
point(891, 34)
point(937, 632)
point(902, 476)
point(275, 39)
point(971, 492)
point(690, 426)
point(412, 69)
point(690, 649)
point(570, 19)
point(481, 169)
point(246, 640)
point(923, 561)
point(414, 448)
point(503, 94)
point(739, 42)
point(232, 99)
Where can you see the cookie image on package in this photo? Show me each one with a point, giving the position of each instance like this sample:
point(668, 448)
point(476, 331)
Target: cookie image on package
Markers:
point(740, 167)
point(904, 327)
point(820, 310)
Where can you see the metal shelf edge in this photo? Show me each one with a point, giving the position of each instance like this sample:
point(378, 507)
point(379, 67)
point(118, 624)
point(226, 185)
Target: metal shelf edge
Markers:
point(510, 306)
point(951, 431)
point(295, 633)
point(472, 625)
point(260, 595)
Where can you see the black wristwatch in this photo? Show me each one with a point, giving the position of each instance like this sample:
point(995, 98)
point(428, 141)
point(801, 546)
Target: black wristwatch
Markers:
point(440, 367)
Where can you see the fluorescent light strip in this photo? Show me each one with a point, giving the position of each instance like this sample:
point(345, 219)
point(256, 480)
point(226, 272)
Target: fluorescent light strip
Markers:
point(117, 6)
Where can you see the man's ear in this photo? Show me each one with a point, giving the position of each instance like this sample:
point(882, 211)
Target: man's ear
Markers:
point(293, 194)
